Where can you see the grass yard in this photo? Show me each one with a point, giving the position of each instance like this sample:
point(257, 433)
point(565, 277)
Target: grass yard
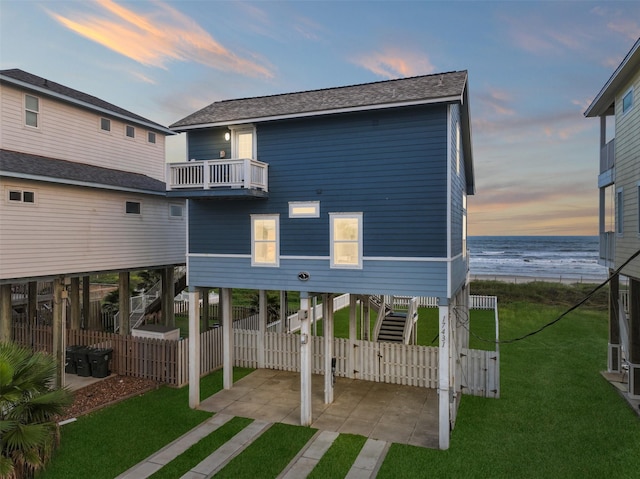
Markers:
point(557, 417)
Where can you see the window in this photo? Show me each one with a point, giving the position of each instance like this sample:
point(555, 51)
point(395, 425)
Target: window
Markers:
point(151, 137)
point(346, 240)
point(105, 124)
point(265, 240)
point(458, 148)
point(619, 211)
point(31, 111)
point(20, 196)
point(627, 101)
point(175, 211)
point(304, 209)
point(132, 207)
point(243, 143)
point(130, 131)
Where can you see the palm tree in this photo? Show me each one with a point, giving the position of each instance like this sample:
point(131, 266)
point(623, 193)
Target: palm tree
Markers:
point(28, 404)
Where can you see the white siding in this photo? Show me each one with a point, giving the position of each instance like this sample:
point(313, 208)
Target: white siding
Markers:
point(628, 175)
point(67, 132)
point(72, 230)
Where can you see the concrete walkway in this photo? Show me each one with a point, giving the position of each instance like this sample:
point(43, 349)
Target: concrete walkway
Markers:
point(389, 412)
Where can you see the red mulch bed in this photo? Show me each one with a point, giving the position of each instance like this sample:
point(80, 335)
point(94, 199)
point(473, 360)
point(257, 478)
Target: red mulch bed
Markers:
point(104, 393)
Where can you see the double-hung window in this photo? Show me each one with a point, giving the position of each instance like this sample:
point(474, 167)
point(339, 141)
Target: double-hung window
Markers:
point(346, 240)
point(31, 111)
point(627, 101)
point(265, 240)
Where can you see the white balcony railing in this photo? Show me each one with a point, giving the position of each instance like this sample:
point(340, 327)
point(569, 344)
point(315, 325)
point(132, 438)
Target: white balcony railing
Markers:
point(210, 174)
point(608, 156)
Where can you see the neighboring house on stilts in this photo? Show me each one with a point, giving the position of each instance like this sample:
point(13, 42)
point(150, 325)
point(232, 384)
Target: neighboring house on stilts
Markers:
point(619, 185)
point(82, 192)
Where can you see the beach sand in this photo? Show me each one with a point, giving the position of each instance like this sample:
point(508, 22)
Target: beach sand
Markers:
point(532, 279)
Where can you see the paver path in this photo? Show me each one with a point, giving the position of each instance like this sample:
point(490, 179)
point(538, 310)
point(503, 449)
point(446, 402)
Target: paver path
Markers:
point(302, 465)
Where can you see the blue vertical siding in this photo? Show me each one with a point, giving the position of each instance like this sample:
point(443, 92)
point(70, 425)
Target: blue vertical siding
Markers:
point(389, 165)
point(207, 144)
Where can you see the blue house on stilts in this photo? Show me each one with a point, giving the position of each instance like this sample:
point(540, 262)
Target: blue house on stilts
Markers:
point(359, 189)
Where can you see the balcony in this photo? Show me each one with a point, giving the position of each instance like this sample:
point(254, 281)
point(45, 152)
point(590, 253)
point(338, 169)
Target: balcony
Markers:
point(236, 178)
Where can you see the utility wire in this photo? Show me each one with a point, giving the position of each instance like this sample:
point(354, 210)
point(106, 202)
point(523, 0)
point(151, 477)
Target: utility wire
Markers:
point(572, 308)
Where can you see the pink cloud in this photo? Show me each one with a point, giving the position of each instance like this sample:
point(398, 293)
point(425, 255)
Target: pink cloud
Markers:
point(394, 62)
point(158, 37)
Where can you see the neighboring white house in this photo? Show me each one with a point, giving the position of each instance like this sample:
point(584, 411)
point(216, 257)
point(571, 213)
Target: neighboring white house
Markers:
point(82, 191)
point(619, 183)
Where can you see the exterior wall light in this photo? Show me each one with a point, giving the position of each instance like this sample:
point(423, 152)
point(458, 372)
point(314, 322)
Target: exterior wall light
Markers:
point(227, 136)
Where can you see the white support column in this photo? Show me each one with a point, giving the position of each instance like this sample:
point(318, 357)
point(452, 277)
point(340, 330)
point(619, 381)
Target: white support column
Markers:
point(59, 298)
point(327, 321)
point(262, 325)
point(305, 362)
point(353, 333)
point(443, 378)
point(227, 338)
point(283, 312)
point(194, 349)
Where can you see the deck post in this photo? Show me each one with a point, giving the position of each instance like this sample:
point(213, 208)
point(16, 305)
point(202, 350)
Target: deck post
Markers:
point(74, 299)
point(227, 338)
point(32, 303)
point(262, 325)
point(305, 361)
point(353, 335)
point(634, 338)
point(58, 327)
point(5, 312)
point(205, 312)
point(124, 303)
point(443, 378)
point(86, 302)
point(168, 294)
point(327, 316)
point(614, 360)
point(194, 349)
point(283, 312)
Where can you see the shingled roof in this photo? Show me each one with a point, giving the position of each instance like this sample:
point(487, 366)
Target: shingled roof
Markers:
point(445, 87)
point(24, 165)
point(42, 85)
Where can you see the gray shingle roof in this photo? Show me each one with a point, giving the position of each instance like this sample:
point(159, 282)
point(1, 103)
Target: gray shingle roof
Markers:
point(17, 76)
point(13, 163)
point(426, 88)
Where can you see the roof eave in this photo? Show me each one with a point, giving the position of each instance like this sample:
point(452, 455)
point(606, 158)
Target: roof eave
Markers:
point(382, 106)
point(87, 184)
point(606, 98)
point(83, 104)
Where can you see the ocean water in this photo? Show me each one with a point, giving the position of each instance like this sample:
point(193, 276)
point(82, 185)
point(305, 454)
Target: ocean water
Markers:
point(549, 257)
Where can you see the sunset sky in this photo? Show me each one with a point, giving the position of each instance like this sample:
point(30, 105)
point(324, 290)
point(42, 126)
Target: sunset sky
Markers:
point(534, 67)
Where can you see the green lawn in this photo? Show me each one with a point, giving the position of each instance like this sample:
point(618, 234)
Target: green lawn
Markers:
point(557, 417)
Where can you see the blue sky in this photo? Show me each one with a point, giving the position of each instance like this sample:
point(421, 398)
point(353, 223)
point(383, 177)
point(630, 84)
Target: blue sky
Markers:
point(533, 69)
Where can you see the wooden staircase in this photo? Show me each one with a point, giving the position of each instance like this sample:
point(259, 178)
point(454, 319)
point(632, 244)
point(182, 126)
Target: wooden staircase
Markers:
point(393, 325)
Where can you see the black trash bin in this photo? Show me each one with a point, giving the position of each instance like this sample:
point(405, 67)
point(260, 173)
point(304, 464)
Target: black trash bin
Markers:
point(70, 360)
point(99, 359)
point(83, 366)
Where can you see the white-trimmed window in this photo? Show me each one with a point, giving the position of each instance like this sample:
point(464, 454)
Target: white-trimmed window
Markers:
point(346, 240)
point(130, 131)
point(176, 211)
point(133, 208)
point(105, 124)
point(265, 240)
point(627, 101)
point(458, 148)
point(31, 111)
point(464, 225)
point(304, 209)
point(619, 211)
point(151, 137)
point(21, 196)
point(243, 142)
